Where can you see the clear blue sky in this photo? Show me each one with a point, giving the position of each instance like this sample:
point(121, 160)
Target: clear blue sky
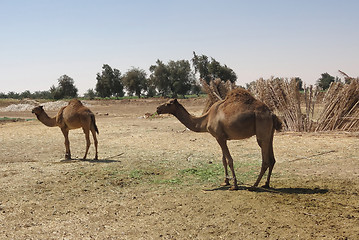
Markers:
point(41, 40)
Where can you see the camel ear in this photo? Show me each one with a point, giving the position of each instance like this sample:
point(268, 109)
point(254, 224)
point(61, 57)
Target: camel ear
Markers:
point(42, 107)
point(175, 101)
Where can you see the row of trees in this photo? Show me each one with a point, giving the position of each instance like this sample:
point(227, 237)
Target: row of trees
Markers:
point(166, 79)
point(65, 89)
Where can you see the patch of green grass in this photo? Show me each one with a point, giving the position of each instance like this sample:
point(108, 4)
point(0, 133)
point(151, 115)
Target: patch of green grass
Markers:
point(136, 174)
point(7, 119)
point(204, 172)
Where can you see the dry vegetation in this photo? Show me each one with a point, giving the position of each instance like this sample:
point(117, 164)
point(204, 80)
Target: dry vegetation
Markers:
point(341, 108)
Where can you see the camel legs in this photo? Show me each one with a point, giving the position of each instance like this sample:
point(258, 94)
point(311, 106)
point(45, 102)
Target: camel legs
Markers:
point(95, 142)
point(226, 179)
point(268, 162)
point(227, 155)
point(88, 142)
point(65, 131)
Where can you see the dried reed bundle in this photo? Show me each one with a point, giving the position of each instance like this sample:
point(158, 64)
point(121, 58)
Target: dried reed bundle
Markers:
point(310, 98)
point(283, 97)
point(341, 110)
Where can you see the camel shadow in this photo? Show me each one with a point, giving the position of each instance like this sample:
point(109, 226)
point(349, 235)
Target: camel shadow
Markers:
point(105, 160)
point(74, 160)
point(294, 190)
point(274, 190)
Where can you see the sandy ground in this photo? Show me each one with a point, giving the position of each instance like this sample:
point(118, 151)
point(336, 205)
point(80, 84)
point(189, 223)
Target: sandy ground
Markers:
point(156, 180)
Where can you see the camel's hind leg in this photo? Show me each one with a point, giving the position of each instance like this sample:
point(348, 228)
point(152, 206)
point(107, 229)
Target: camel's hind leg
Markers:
point(93, 131)
point(264, 136)
point(65, 131)
point(271, 164)
point(88, 142)
point(268, 160)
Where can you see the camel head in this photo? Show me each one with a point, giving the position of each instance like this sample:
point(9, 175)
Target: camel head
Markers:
point(168, 107)
point(38, 110)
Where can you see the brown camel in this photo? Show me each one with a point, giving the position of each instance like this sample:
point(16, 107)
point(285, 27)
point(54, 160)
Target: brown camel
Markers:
point(238, 116)
point(74, 115)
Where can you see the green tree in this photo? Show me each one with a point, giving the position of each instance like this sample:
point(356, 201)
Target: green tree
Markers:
point(200, 64)
point(135, 81)
point(109, 82)
point(90, 94)
point(13, 95)
point(196, 88)
point(159, 78)
point(42, 95)
point(181, 77)
point(209, 70)
point(174, 78)
point(300, 83)
point(65, 89)
point(25, 94)
point(325, 80)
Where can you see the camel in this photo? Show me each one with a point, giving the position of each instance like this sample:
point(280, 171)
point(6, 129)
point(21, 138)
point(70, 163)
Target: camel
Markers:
point(238, 116)
point(74, 115)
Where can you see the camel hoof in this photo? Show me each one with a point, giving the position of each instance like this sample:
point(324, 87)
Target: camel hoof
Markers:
point(233, 188)
point(266, 186)
point(225, 184)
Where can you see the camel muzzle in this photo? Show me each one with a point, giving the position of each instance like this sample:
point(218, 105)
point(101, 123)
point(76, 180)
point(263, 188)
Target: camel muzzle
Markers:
point(158, 111)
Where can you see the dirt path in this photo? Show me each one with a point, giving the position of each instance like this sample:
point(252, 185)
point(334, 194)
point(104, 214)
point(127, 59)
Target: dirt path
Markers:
point(156, 180)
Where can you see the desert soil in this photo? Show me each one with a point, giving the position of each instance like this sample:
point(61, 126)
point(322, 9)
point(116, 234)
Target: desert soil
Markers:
point(156, 180)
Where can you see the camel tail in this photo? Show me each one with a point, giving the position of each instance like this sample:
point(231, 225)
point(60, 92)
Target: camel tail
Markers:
point(93, 121)
point(277, 123)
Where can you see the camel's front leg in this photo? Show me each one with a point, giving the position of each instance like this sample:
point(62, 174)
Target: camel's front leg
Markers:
point(227, 155)
point(226, 179)
point(65, 131)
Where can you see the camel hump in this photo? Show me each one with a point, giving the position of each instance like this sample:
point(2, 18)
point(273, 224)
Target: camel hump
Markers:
point(75, 102)
point(240, 94)
point(277, 123)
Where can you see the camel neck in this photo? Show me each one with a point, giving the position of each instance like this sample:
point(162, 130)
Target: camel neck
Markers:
point(196, 124)
point(45, 119)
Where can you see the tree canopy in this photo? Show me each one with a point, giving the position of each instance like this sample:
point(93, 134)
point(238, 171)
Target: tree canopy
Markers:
point(65, 89)
point(325, 80)
point(109, 82)
point(135, 81)
point(174, 78)
point(212, 69)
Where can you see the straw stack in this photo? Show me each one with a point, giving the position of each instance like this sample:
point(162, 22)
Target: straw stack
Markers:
point(341, 110)
point(283, 97)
